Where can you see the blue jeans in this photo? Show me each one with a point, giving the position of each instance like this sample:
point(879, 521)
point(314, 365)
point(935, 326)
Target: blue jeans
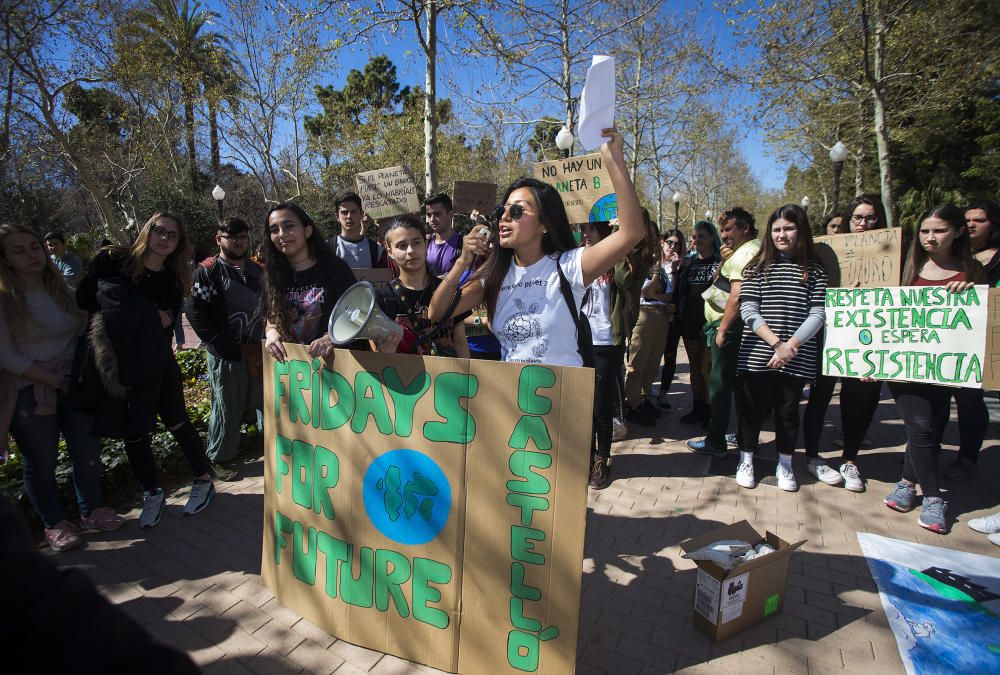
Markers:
point(37, 438)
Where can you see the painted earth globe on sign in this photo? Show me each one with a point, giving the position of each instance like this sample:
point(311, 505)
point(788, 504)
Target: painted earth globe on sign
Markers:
point(407, 497)
point(606, 208)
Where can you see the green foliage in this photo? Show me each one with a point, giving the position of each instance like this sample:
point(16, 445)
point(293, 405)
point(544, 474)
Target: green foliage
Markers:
point(193, 364)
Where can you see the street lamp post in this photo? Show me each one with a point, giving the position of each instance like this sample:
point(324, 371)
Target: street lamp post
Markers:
point(805, 204)
point(564, 141)
point(677, 209)
point(708, 215)
point(838, 153)
point(218, 194)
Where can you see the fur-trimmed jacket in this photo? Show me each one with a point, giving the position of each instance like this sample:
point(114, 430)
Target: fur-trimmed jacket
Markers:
point(118, 377)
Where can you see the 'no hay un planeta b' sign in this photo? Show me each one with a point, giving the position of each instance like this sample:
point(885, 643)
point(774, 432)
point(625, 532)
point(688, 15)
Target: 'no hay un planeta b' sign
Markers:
point(431, 508)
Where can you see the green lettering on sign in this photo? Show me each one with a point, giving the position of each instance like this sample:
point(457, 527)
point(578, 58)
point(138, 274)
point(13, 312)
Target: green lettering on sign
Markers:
point(522, 463)
point(299, 378)
point(522, 544)
point(357, 591)
point(425, 573)
point(404, 398)
point(304, 561)
point(458, 425)
point(532, 379)
point(370, 401)
point(392, 569)
point(335, 551)
point(532, 428)
point(282, 524)
point(335, 416)
point(280, 390)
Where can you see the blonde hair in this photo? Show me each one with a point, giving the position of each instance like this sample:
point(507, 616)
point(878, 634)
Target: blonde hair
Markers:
point(179, 262)
point(12, 302)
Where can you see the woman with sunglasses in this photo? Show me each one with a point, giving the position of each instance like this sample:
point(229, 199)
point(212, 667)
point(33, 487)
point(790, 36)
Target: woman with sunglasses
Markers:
point(134, 296)
point(939, 255)
point(520, 281)
point(39, 328)
point(674, 252)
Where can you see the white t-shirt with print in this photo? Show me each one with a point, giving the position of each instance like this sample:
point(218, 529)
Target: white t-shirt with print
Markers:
point(598, 311)
point(532, 321)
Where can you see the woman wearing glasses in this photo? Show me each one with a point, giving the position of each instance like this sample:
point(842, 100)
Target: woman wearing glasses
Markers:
point(520, 281)
point(134, 296)
point(674, 250)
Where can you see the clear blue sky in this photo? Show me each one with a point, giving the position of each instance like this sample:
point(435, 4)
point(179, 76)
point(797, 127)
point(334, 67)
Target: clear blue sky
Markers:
point(406, 55)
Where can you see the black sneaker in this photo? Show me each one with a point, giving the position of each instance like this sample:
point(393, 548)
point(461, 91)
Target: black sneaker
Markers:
point(227, 473)
point(639, 416)
point(648, 409)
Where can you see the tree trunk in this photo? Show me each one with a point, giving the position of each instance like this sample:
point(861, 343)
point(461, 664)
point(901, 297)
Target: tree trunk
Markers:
point(430, 100)
point(8, 108)
point(567, 61)
point(859, 170)
point(189, 133)
point(881, 123)
point(213, 136)
point(633, 167)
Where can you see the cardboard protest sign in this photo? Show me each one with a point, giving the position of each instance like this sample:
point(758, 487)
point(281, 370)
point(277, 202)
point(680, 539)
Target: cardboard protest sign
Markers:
point(387, 193)
point(915, 334)
point(584, 185)
point(468, 196)
point(430, 508)
point(868, 259)
point(377, 276)
point(991, 376)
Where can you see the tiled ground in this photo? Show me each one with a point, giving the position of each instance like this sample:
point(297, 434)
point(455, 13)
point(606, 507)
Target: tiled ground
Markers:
point(195, 583)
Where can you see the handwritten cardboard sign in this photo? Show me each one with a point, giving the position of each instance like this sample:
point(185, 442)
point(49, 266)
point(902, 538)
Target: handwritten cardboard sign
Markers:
point(469, 196)
point(584, 185)
point(386, 193)
point(428, 507)
point(869, 259)
point(377, 276)
point(914, 334)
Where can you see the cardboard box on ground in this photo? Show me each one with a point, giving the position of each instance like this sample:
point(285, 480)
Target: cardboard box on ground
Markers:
point(728, 602)
point(430, 508)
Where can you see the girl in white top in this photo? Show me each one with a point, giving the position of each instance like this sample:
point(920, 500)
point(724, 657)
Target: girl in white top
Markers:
point(520, 282)
point(39, 327)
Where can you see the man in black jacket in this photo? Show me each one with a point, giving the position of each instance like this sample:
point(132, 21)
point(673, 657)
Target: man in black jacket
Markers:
point(224, 312)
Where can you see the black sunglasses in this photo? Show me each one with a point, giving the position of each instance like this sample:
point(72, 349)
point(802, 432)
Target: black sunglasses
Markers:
point(515, 210)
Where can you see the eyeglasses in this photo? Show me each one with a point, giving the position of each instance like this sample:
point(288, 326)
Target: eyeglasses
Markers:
point(516, 211)
point(671, 242)
point(864, 219)
point(164, 233)
point(236, 237)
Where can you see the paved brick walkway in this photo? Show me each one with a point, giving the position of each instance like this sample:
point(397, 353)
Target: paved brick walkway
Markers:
point(195, 584)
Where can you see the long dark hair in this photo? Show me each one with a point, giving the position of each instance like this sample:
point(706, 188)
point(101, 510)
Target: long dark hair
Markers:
point(278, 271)
point(992, 210)
point(558, 238)
point(843, 228)
point(871, 200)
point(178, 262)
point(960, 248)
point(805, 251)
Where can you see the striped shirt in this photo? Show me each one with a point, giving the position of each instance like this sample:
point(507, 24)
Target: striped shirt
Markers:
point(785, 303)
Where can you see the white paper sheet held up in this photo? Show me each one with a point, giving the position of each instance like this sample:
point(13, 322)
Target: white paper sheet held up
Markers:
point(597, 104)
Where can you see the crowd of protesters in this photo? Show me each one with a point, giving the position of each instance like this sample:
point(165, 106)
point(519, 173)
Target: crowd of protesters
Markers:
point(77, 359)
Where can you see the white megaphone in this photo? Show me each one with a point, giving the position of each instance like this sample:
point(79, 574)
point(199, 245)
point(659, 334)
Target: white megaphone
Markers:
point(357, 317)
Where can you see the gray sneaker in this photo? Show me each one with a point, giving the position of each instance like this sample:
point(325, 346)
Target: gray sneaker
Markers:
point(152, 508)
point(901, 498)
point(202, 491)
point(932, 516)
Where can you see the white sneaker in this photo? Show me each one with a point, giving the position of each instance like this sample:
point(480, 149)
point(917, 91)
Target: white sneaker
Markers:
point(744, 475)
point(786, 479)
point(152, 508)
point(852, 477)
point(986, 524)
point(823, 472)
point(202, 491)
point(994, 539)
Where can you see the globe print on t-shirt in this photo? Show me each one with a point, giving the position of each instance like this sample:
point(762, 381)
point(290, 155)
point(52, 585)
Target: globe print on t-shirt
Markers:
point(522, 326)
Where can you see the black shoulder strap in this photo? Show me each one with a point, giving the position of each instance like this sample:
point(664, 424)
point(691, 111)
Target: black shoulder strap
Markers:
point(584, 340)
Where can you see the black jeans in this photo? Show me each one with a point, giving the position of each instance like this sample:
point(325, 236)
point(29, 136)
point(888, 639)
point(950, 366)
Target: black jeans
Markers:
point(925, 409)
point(607, 372)
point(858, 403)
point(172, 411)
point(973, 420)
point(820, 393)
point(762, 392)
point(670, 356)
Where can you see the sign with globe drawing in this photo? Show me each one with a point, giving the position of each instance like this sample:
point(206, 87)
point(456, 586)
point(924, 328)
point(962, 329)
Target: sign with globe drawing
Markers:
point(432, 508)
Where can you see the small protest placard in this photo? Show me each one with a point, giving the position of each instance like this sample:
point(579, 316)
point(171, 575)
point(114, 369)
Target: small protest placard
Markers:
point(469, 196)
point(866, 259)
point(991, 378)
point(431, 508)
point(386, 193)
point(584, 185)
point(377, 276)
point(914, 334)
